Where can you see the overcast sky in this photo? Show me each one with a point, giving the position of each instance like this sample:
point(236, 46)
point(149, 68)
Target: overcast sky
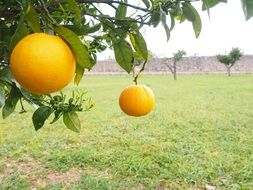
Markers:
point(226, 29)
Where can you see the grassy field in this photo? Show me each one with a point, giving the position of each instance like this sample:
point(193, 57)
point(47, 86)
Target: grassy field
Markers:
point(200, 132)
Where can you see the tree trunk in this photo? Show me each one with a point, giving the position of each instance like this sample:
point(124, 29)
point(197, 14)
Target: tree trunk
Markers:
point(174, 71)
point(228, 71)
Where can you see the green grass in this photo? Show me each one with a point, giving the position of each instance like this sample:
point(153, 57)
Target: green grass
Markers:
point(200, 132)
point(14, 182)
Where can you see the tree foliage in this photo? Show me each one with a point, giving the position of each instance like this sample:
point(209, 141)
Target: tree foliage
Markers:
point(230, 59)
point(178, 55)
point(88, 28)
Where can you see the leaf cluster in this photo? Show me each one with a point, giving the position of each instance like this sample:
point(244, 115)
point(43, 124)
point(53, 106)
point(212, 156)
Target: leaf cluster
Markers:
point(59, 106)
point(179, 55)
point(229, 59)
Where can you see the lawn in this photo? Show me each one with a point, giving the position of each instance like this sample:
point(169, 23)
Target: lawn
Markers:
point(200, 132)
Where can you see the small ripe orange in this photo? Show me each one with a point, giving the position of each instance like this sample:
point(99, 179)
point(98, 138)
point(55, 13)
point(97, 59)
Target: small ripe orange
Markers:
point(178, 17)
point(42, 63)
point(137, 100)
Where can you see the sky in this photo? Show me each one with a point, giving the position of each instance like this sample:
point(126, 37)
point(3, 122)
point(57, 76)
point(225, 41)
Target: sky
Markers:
point(226, 28)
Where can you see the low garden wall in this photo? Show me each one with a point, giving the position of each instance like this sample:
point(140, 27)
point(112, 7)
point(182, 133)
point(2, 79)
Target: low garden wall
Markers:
point(201, 65)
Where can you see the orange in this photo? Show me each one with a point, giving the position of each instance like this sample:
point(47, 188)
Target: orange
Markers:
point(42, 63)
point(179, 17)
point(137, 100)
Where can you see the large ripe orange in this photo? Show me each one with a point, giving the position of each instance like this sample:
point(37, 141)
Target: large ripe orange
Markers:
point(42, 63)
point(137, 100)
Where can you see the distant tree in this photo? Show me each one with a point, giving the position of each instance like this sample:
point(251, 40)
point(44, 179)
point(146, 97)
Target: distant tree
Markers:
point(176, 58)
point(230, 59)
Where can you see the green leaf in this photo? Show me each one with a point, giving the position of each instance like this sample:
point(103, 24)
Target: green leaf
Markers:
point(139, 44)
point(192, 15)
point(84, 29)
point(164, 23)
point(247, 6)
point(182, 19)
point(207, 4)
point(81, 53)
point(6, 75)
point(11, 102)
point(155, 18)
point(146, 2)
point(188, 12)
point(32, 18)
point(75, 7)
point(138, 57)
point(72, 121)
point(57, 115)
point(79, 74)
point(6, 33)
point(2, 99)
point(40, 116)
point(172, 21)
point(197, 24)
point(123, 54)
point(20, 33)
point(121, 11)
point(94, 28)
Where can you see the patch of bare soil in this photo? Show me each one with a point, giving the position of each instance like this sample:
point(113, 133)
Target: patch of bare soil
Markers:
point(66, 178)
point(161, 185)
point(138, 187)
point(38, 174)
point(13, 166)
point(41, 175)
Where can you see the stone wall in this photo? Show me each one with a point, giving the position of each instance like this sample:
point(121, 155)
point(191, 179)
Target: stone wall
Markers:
point(205, 64)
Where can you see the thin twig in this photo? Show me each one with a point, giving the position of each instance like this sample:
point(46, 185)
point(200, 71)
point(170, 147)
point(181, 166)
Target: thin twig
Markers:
point(114, 18)
point(22, 106)
point(44, 7)
point(140, 71)
point(10, 13)
point(106, 2)
point(112, 6)
point(97, 9)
